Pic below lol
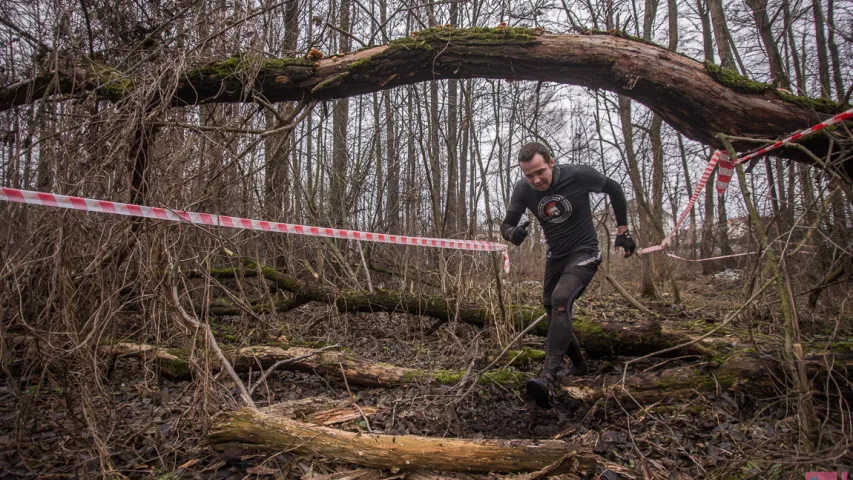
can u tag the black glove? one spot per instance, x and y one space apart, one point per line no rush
627 244
519 233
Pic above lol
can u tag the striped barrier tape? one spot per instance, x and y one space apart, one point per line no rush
725 171
116 208
729 164
699 186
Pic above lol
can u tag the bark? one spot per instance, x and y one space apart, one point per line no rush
392 210
833 50
707 37
794 54
340 117
687 95
762 22
822 57
709 239
262 429
721 34
644 210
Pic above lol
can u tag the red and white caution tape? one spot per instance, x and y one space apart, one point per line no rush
699 186
728 165
820 126
116 208
725 170
698 260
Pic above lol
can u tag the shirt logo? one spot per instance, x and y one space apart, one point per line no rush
555 209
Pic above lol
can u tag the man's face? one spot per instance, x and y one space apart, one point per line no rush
538 172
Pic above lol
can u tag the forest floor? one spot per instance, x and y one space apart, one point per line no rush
157 426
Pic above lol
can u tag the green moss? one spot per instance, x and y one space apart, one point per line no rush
480 35
413 376
696 409
734 80
236 65
525 355
178 367
742 84
503 377
822 105
448 377
113 83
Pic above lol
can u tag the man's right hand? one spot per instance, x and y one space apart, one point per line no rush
519 233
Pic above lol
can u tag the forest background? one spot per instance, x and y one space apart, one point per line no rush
89 109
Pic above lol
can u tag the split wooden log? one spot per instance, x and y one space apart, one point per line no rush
597 338
262 429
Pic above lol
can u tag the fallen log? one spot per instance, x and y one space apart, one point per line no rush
758 377
699 100
263 430
597 338
174 364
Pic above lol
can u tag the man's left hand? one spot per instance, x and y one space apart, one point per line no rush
626 243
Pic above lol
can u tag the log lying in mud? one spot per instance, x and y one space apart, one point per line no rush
597 338
174 364
741 372
264 430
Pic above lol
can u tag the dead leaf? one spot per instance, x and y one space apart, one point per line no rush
189 463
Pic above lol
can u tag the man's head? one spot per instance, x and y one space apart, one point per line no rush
537 164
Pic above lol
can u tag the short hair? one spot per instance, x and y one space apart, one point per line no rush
530 150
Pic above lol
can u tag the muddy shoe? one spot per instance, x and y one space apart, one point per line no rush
539 389
577 370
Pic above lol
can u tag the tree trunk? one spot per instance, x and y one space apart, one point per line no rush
721 34
688 95
794 54
262 429
762 22
833 50
709 239
707 32
337 214
822 58
647 286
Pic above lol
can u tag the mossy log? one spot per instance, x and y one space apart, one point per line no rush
758 377
173 364
699 100
263 430
597 338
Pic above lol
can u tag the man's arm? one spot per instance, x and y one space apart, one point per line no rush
510 221
509 229
620 204
620 209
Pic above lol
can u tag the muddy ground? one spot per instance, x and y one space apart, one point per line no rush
155 427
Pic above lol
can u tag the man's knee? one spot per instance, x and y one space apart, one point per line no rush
561 297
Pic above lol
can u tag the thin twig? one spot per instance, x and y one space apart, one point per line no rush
211 340
352 399
476 378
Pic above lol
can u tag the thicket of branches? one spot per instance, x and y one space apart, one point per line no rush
434 159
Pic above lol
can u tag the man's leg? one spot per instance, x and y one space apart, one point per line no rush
561 333
575 274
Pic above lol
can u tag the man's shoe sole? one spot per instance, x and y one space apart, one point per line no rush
538 391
